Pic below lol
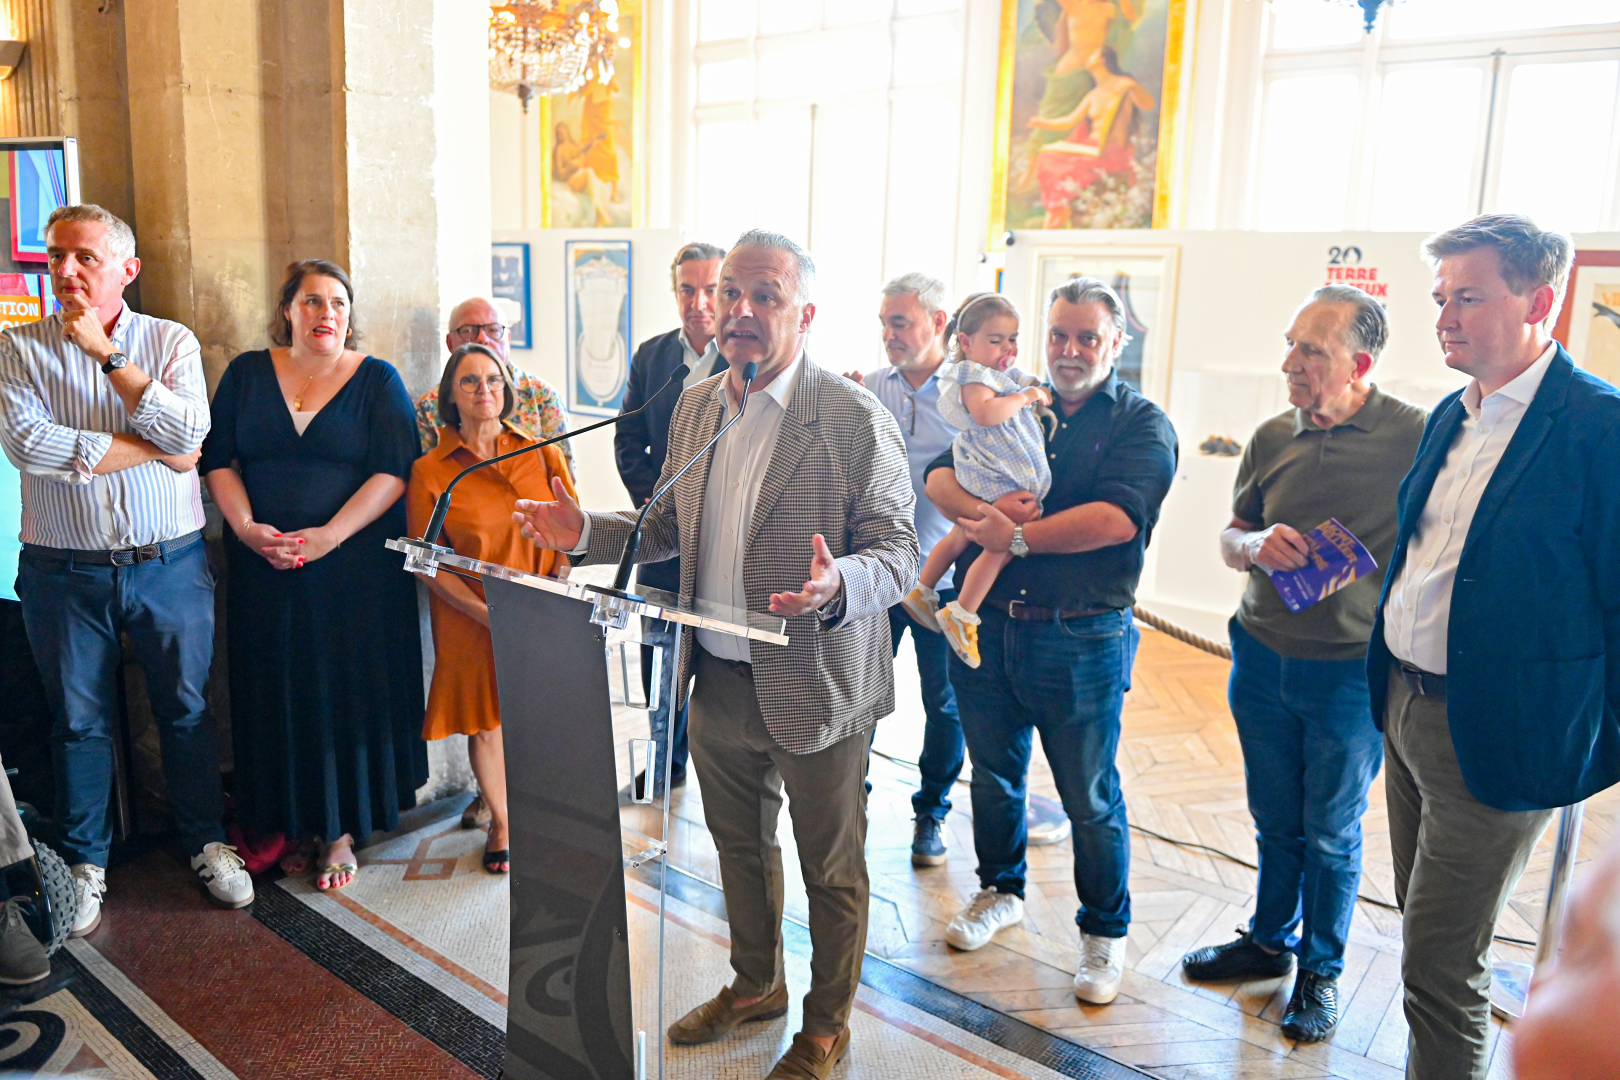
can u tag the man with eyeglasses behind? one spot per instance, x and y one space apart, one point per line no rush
538 414
539 411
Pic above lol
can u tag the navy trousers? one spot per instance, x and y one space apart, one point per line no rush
942 751
75 613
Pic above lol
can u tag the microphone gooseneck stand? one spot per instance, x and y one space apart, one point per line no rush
441 507
621 579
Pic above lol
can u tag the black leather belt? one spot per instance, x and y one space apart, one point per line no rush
1423 683
131 556
1022 612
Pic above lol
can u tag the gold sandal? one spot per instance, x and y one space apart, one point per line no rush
337 868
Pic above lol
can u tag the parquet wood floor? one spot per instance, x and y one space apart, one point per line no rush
1183 777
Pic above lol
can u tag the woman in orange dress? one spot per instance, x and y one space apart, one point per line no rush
462 699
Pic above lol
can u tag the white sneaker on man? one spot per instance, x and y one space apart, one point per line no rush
225 875
977 923
90 881
1102 969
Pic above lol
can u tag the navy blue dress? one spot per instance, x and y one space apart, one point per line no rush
325 660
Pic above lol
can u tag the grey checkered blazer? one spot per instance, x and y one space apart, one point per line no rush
839 469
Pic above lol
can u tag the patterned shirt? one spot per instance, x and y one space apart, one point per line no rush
58 414
539 413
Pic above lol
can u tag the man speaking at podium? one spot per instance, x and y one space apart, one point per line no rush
814 473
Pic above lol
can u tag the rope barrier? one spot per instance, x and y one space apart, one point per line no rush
1214 648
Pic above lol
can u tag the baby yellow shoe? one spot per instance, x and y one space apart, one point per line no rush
922 604
961 628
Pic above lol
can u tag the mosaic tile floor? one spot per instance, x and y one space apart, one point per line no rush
404 973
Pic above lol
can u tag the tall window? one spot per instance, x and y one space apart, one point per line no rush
838 123
1448 108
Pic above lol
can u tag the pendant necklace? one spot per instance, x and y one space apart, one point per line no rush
298 398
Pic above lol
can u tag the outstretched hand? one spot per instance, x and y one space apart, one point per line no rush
824 583
555 525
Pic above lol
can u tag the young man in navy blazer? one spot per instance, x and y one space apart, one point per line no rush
640 443
1495 662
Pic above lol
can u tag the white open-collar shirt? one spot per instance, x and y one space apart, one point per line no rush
736 473
1417 614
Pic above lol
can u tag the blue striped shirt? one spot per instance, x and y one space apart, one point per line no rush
58 414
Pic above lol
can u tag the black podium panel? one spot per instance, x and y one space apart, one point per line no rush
569 1014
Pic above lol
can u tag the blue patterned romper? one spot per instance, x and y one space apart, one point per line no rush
994 461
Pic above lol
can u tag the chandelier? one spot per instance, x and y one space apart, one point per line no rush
540 47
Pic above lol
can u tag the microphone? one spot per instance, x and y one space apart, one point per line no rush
621 578
441 507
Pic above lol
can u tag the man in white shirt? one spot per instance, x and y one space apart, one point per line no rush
104 410
813 474
1495 662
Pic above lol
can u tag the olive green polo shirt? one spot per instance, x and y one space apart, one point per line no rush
1298 474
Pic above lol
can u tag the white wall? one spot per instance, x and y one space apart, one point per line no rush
652 312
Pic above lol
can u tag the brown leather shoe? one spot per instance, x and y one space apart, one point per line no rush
716 1017
806 1061
477 814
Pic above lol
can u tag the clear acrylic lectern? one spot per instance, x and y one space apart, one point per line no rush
569 1012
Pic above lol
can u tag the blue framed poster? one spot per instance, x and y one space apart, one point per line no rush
597 286
510 281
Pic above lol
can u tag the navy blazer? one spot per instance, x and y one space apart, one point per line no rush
641 442
1533 645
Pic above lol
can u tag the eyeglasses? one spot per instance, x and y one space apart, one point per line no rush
494 331
471 383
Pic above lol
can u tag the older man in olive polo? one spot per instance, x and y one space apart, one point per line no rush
1298 687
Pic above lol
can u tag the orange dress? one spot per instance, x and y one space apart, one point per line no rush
463 699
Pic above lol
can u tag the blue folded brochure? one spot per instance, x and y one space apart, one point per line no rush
1337 560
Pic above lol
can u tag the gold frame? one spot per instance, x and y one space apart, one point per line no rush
1169 151
638 133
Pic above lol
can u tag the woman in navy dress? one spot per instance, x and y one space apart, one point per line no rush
311 446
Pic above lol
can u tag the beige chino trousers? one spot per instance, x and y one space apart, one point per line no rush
1456 864
743 772
14 845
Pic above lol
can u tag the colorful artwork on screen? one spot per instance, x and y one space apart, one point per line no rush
35 186
599 333
591 141
1084 111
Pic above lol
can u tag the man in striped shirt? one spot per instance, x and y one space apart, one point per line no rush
104 411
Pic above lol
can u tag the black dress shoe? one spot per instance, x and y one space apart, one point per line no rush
1313 1010
1240 959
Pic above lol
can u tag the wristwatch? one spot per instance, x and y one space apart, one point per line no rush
114 362
1018 546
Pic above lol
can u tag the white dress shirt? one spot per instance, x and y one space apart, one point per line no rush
736 473
58 414
1417 614
698 367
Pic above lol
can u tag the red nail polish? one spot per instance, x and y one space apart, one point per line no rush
300 539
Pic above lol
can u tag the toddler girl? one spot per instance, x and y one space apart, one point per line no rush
1001 449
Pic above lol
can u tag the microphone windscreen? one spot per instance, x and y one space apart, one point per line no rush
750 371
680 373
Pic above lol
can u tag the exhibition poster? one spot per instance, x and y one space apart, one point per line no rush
598 332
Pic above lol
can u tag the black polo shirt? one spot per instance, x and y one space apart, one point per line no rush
1117 448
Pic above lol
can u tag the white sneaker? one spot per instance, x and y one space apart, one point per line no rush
1102 968
225 875
977 923
91 882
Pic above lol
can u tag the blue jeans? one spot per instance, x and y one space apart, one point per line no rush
942 749
75 613
1310 751
1068 680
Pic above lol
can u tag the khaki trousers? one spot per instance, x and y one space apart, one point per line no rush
743 772
1456 863
14 845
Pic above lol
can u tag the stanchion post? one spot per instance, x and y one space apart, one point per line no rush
1510 981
